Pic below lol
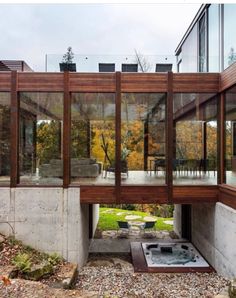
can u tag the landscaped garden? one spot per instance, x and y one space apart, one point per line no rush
108 218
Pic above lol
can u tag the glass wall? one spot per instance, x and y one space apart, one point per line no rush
93 138
230 135
40 141
213 38
189 52
229 34
5 134
202 59
195 138
143 150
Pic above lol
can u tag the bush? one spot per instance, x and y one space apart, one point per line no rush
54 259
22 262
128 207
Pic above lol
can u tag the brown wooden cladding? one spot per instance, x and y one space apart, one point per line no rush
143 82
5 81
195 194
97 194
36 81
92 82
227 195
144 194
105 82
228 77
196 82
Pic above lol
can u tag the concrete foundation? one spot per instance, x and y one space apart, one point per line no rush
48 219
213 234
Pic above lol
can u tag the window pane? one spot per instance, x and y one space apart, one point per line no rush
229 34
230 133
92 138
143 147
41 123
213 35
5 134
202 44
189 52
195 141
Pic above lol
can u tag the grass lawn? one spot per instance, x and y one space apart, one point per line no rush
108 218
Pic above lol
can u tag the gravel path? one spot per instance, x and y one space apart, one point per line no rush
113 278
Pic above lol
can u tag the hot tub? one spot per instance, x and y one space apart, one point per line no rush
172 255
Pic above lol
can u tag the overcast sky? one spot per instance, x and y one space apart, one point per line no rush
29 32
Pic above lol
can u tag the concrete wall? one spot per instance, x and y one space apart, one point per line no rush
214 234
95 216
48 219
177 220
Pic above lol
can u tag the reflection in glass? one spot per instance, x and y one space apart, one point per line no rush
230 136
213 37
190 52
93 138
143 148
5 138
40 146
202 45
195 138
229 34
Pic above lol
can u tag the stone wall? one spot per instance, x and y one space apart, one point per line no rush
48 219
214 234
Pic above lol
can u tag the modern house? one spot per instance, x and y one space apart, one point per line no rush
70 141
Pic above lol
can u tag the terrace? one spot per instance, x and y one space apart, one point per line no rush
121 137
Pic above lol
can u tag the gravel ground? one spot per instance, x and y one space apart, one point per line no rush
113 277
20 288
110 276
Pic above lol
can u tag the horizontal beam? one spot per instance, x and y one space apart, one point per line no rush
106 82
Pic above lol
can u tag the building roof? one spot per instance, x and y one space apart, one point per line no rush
18 65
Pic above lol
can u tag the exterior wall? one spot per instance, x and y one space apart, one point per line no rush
177 220
48 219
214 234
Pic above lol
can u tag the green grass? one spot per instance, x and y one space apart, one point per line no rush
108 219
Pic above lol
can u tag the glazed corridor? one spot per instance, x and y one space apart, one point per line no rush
120 137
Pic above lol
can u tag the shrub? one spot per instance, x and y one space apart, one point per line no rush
22 262
54 259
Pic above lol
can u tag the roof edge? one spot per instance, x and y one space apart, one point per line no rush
197 16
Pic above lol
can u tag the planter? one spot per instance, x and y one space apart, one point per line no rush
68 67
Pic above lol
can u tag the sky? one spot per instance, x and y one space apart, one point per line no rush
30 31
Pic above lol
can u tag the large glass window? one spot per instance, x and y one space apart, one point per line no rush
195 138
213 37
229 34
93 138
5 138
143 150
230 135
40 146
202 45
189 52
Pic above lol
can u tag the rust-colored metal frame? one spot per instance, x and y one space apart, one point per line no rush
119 83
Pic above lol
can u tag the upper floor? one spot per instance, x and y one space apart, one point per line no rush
209 44
120 137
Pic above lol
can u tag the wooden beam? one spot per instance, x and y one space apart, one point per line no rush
118 137
221 175
145 144
14 131
66 131
169 137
